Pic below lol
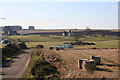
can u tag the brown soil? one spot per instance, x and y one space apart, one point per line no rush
66 62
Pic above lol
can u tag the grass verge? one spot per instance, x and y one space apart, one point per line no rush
39 68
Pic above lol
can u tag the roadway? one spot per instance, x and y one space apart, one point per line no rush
19 65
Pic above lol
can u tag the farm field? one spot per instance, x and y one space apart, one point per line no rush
50 40
46 44
108 67
40 38
105 46
99 44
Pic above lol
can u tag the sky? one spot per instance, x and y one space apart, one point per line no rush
60 15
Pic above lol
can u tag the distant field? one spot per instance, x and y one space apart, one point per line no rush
101 44
47 31
99 38
46 44
50 40
59 30
33 38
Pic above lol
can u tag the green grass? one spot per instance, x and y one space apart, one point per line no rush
99 38
52 40
107 44
34 38
101 44
3 45
46 44
39 68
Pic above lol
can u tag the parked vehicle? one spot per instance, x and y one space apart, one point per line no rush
5 41
61 46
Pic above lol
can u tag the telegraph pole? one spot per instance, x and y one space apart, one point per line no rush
0 51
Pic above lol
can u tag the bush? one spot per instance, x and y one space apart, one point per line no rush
22 45
3 59
94 48
12 46
6 51
51 48
42 68
9 51
39 46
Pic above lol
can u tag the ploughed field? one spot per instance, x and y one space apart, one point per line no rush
69 67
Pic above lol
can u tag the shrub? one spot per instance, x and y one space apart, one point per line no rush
12 46
94 48
51 48
6 51
9 51
3 59
42 68
39 46
22 45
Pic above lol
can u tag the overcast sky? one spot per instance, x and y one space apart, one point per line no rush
61 15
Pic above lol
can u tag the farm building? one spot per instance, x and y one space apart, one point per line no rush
31 28
67 33
64 33
11 30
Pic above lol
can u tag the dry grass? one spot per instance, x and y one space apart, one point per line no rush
108 67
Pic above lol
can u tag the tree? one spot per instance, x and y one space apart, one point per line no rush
6 29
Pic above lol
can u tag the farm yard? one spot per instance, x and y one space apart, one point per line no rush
105 46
